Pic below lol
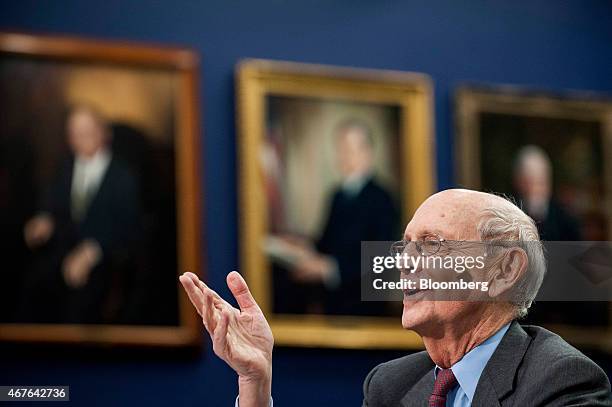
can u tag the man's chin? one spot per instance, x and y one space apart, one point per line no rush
414 314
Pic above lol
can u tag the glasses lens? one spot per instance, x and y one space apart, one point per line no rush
397 247
430 245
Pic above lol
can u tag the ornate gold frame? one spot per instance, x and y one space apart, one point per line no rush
471 101
189 242
412 92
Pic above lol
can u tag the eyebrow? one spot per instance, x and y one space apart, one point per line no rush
427 232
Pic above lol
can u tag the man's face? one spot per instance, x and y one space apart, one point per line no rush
535 186
450 215
85 134
533 181
354 154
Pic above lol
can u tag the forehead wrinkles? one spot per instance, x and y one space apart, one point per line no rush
452 220
458 221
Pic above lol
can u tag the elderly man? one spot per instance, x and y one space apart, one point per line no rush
476 353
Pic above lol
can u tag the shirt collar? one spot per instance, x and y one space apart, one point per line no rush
353 184
99 160
467 371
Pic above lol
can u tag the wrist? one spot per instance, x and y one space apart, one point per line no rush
255 390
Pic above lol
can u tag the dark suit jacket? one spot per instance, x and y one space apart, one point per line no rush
112 220
112 216
558 224
530 367
368 216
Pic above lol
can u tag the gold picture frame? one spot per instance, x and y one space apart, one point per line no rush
472 102
412 94
183 64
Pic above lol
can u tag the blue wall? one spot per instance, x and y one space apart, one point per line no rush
548 44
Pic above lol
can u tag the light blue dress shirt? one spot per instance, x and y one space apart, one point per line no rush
468 370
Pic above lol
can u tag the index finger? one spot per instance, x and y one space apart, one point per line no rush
194 292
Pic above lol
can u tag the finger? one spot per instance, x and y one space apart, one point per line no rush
208 302
220 334
201 285
196 296
210 314
207 289
217 300
240 290
192 277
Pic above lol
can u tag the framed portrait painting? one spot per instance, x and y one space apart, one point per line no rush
329 158
99 173
550 154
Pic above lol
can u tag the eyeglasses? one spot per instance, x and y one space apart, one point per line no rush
428 246
431 244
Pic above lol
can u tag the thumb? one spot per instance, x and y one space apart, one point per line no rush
240 290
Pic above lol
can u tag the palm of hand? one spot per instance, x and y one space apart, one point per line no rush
242 338
248 349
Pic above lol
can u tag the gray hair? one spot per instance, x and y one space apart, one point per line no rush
508 223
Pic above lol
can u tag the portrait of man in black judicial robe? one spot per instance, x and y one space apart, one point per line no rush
318 270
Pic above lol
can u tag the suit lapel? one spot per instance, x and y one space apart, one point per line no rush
485 395
102 188
419 393
497 379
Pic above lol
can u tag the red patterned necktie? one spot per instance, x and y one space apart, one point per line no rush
445 381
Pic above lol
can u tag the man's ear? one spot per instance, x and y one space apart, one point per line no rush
510 270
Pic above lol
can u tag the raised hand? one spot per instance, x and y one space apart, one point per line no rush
242 338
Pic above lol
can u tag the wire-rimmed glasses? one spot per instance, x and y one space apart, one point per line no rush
428 246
